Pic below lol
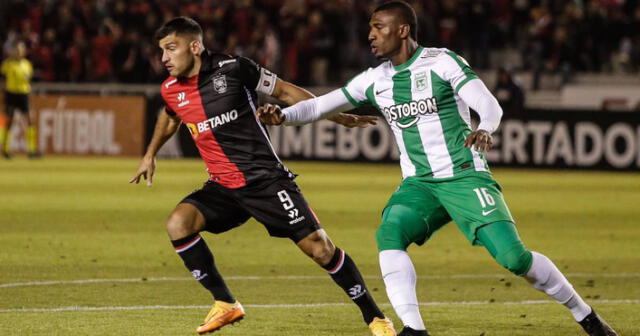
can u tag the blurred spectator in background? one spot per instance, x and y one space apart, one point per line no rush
476 21
101 48
315 42
509 93
127 54
320 41
76 54
43 56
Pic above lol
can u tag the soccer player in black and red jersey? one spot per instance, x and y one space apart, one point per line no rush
215 95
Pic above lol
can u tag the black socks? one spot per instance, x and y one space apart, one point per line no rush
346 274
199 260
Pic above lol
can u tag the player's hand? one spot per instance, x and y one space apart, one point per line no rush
353 120
146 170
480 140
270 114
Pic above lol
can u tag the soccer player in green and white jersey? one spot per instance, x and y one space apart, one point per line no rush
425 95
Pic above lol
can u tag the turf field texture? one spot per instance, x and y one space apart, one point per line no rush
85 253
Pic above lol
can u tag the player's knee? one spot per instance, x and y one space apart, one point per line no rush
320 252
390 238
516 259
322 255
318 247
391 234
179 225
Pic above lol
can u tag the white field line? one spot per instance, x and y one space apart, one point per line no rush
299 277
296 305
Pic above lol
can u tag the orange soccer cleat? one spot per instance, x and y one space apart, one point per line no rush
382 327
220 315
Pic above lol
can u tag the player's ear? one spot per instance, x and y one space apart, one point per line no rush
196 47
404 31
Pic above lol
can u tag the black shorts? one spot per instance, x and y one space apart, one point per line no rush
13 102
276 203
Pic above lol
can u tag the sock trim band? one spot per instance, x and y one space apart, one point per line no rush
188 245
338 265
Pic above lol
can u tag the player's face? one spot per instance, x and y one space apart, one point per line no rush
384 34
177 55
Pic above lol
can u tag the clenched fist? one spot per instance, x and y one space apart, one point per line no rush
270 114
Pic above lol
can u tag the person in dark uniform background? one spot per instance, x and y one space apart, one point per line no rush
215 95
509 93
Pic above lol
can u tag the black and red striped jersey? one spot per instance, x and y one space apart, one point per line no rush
218 106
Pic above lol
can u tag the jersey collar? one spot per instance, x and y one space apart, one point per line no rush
410 61
206 57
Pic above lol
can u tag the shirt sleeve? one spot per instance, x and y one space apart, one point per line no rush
316 108
3 68
454 69
256 77
477 96
356 89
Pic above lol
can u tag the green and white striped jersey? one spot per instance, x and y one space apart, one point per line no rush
420 101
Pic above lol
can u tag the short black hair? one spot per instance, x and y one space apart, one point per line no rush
405 12
180 26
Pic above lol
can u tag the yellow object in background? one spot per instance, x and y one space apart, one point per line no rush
18 74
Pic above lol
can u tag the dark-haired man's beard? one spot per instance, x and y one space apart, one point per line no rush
188 68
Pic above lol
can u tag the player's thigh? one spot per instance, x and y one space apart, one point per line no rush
279 205
473 201
220 210
412 215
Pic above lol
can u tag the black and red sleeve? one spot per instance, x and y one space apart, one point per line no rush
255 77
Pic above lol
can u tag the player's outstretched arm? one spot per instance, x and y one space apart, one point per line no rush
166 126
292 95
477 96
329 106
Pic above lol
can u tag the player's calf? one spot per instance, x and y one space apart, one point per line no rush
199 260
401 225
504 244
343 271
546 277
399 277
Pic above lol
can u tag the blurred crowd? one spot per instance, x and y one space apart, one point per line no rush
320 42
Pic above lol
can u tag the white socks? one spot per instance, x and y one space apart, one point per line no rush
546 277
400 281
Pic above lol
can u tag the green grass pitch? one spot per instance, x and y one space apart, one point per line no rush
85 253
